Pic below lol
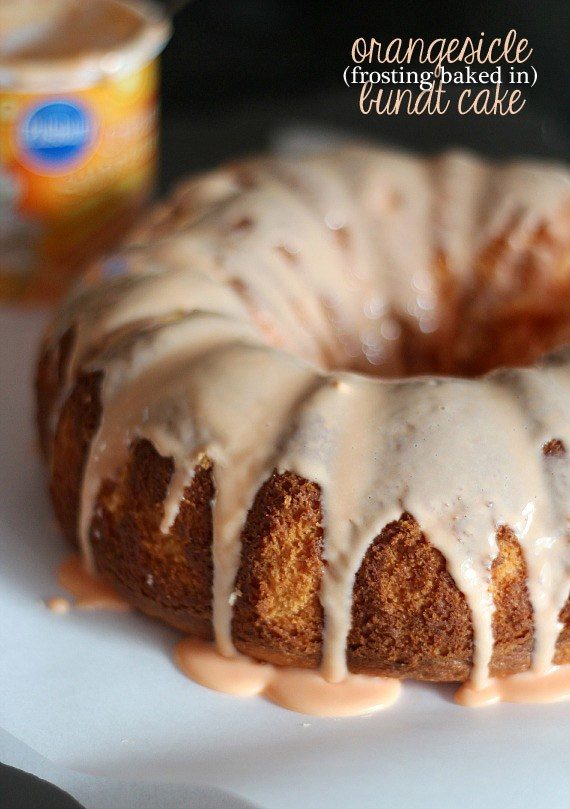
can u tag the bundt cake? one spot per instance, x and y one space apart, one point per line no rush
319 410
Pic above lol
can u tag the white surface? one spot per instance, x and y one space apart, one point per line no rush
106 793
99 693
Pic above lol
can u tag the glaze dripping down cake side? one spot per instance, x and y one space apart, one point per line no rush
317 410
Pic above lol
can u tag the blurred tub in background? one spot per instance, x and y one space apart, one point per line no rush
78 134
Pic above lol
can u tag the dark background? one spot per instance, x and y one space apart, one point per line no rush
238 71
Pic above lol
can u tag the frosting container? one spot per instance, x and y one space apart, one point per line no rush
78 134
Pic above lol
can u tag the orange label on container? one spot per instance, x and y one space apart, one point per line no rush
75 169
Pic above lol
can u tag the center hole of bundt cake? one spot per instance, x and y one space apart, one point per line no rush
467 340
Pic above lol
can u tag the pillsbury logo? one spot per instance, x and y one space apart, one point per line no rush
56 133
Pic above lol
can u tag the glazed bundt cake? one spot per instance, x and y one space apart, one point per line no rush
319 410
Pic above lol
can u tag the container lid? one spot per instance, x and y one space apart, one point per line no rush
55 45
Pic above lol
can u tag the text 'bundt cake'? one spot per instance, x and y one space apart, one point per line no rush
310 411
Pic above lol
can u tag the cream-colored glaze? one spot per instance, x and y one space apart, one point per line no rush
238 675
306 691
90 592
224 340
550 686
300 690
71 43
58 605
